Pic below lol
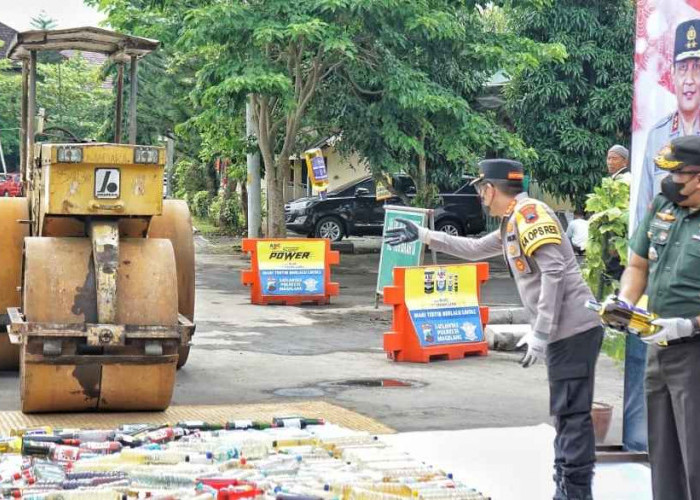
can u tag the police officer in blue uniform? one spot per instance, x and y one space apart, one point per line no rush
563 332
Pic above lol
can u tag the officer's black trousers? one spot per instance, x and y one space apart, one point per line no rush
571 369
673 417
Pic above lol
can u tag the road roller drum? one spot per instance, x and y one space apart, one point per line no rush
62 367
14 215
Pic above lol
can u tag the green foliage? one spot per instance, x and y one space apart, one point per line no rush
190 177
200 204
607 230
572 111
73 96
43 21
10 93
70 92
226 213
408 100
614 344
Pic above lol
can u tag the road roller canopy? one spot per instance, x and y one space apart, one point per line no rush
116 46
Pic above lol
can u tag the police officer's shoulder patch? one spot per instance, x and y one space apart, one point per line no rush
536 227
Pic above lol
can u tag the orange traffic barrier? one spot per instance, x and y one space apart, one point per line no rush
437 313
290 271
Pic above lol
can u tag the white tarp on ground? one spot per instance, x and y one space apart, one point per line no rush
514 463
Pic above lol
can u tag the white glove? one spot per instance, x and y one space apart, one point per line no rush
671 329
536 349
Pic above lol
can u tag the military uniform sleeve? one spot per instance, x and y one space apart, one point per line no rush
639 243
467 248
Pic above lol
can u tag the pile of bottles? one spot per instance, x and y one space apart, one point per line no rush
289 458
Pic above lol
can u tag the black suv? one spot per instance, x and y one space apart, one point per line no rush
353 209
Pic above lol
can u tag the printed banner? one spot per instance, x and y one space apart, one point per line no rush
292 267
404 255
443 304
666 90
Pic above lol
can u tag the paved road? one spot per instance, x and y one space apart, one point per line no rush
247 354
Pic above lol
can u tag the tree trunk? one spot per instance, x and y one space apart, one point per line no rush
275 202
422 180
244 203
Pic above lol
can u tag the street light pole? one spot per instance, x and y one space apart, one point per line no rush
253 177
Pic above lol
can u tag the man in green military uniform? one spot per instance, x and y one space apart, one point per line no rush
565 334
665 262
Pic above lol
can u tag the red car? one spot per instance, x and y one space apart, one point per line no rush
10 185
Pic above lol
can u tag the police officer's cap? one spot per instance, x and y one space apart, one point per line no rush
500 169
682 155
687 44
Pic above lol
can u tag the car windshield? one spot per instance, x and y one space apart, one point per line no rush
349 186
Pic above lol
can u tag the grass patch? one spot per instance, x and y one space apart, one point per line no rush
206 228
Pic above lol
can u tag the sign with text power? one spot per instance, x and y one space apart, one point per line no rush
291 268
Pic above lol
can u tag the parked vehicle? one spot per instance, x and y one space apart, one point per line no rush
10 185
353 210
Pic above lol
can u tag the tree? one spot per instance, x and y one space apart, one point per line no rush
398 78
278 53
408 102
10 93
71 94
571 112
43 21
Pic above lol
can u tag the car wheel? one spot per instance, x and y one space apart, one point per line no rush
450 227
330 228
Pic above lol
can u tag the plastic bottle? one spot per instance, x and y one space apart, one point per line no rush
200 458
29 431
95 435
63 453
101 448
160 436
161 480
225 453
11 445
47 471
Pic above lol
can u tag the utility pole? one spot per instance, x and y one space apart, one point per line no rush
253 177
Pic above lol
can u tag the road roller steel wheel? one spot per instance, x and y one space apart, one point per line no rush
12 234
59 287
176 225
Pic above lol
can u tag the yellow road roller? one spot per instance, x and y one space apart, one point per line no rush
97 278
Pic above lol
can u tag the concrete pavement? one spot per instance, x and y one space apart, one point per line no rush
254 353
247 354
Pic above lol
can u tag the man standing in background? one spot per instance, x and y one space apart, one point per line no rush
618 161
577 232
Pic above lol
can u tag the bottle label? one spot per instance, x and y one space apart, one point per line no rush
193 424
242 424
160 435
66 453
292 422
